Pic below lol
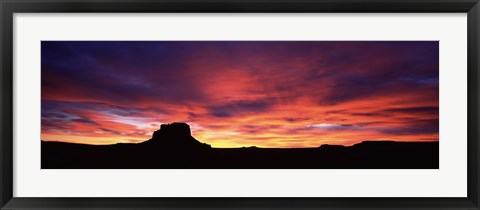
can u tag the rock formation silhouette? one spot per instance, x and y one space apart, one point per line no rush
175 136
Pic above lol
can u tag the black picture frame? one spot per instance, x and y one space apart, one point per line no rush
9 7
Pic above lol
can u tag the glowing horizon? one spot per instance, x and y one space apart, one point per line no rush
241 93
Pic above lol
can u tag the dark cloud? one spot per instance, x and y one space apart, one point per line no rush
127 72
415 110
55 124
431 111
111 131
84 120
410 130
122 72
253 129
381 69
53 115
368 114
238 108
295 119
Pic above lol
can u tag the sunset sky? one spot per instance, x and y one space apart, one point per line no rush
241 93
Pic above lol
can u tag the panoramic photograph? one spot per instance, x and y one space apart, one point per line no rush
239 105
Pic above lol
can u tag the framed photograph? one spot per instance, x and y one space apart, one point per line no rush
239 104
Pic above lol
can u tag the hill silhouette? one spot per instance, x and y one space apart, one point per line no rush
175 136
173 147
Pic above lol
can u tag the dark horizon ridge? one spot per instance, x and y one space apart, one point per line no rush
187 133
173 147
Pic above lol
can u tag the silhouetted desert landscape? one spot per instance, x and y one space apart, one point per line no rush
173 147
249 104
